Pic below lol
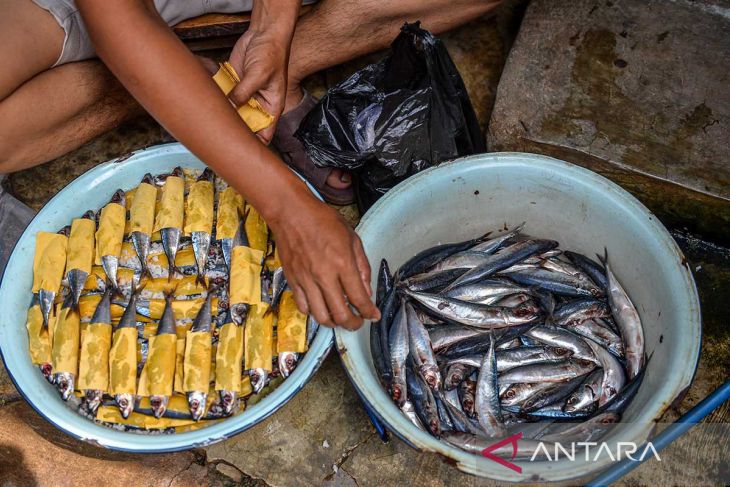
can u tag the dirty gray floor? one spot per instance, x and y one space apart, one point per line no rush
322 436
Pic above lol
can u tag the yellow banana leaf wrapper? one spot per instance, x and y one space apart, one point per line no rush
246 389
66 342
189 286
49 261
123 362
256 230
182 309
179 361
213 353
245 281
252 113
158 375
185 257
142 210
87 306
110 233
97 277
228 358
230 203
196 365
111 414
80 252
272 261
39 338
259 338
128 201
291 327
199 208
94 358
172 204
160 286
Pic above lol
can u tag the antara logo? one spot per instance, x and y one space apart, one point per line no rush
498 451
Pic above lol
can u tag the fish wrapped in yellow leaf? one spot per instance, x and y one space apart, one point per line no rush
142 219
65 350
49 262
228 365
199 218
39 339
110 234
196 364
94 355
259 345
252 113
170 216
123 359
291 333
80 254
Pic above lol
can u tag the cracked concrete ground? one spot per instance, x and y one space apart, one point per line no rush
322 436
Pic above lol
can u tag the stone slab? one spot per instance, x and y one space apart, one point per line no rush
636 90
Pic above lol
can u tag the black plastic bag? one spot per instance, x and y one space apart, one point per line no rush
394 118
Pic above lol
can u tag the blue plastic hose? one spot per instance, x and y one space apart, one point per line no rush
666 437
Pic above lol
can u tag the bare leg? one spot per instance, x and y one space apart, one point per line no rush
44 112
336 31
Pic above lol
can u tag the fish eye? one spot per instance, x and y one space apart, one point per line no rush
510 393
572 400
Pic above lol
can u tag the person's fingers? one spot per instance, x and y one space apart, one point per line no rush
250 83
300 298
334 295
356 292
363 266
267 134
316 302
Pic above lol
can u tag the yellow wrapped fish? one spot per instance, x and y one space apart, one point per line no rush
199 208
230 205
291 326
110 234
259 343
142 219
158 375
94 355
245 280
39 339
49 263
228 358
65 351
110 414
256 230
172 204
252 113
80 254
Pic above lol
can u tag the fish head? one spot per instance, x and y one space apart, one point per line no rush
582 399
47 371
92 399
119 198
159 405
125 403
65 231
258 379
89 215
454 377
65 384
431 375
398 391
287 363
148 179
228 401
196 403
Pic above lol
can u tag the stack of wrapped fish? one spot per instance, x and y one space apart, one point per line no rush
167 307
484 339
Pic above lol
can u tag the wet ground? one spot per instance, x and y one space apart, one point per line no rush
322 437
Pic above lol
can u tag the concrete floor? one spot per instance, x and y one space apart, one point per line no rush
321 437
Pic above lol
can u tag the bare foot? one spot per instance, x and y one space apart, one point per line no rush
339 179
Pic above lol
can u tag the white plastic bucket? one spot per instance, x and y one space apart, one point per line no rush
92 190
585 213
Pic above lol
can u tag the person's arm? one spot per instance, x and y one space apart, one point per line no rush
261 57
323 259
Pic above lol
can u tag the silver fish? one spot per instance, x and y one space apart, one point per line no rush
446 335
515 394
487 405
487 291
197 400
463 260
125 401
420 349
562 338
614 378
170 242
493 244
590 430
287 362
65 384
585 397
102 315
141 240
259 377
509 359
398 342
476 315
201 246
76 282
455 373
513 343
625 314
525 448
592 330
467 391
166 326
550 372
110 263
410 411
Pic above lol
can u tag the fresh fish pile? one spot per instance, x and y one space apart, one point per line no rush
166 308
482 339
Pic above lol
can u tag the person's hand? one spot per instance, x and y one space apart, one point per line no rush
325 265
260 59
